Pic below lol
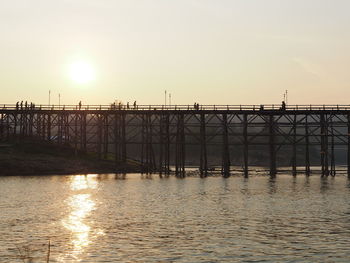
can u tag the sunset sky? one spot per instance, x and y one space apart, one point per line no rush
206 51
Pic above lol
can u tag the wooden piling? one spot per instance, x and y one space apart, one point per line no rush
76 133
183 145
99 135
15 123
84 132
294 158
225 148
49 126
150 144
203 148
180 147
116 139
272 151
307 150
8 131
167 144
161 144
177 146
124 142
333 170
323 153
326 142
105 135
348 135
2 126
245 145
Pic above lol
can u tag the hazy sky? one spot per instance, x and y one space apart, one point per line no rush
208 51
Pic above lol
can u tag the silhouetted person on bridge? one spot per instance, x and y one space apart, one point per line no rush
22 105
283 106
135 104
17 105
261 107
79 105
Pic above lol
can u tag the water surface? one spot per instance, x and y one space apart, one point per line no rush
110 218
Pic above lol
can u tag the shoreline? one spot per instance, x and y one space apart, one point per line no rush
31 157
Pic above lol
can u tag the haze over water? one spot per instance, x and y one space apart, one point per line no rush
109 218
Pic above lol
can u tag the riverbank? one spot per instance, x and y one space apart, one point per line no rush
41 158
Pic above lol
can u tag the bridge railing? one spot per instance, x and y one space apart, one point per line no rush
176 107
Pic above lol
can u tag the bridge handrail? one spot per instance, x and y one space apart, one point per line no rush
179 107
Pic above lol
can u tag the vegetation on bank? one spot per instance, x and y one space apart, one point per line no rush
34 157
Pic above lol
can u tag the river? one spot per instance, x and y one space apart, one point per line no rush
135 218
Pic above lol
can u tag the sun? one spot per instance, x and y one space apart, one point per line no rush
82 72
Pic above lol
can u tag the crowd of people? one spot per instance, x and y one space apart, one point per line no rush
25 105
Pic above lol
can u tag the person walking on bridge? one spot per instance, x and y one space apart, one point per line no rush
283 106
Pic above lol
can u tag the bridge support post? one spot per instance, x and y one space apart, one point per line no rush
76 133
83 131
2 126
38 124
348 117
48 126
99 135
245 145
177 145
272 146
161 144
59 127
326 142
44 126
167 145
333 171
116 140
180 147
225 148
124 149
183 145
147 142
21 124
307 151
31 123
203 147
323 170
150 143
324 145
105 135
67 120
294 158
143 131
15 123
7 126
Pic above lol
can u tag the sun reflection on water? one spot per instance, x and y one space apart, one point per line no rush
80 204
81 182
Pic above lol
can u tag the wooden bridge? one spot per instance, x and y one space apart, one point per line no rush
160 137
